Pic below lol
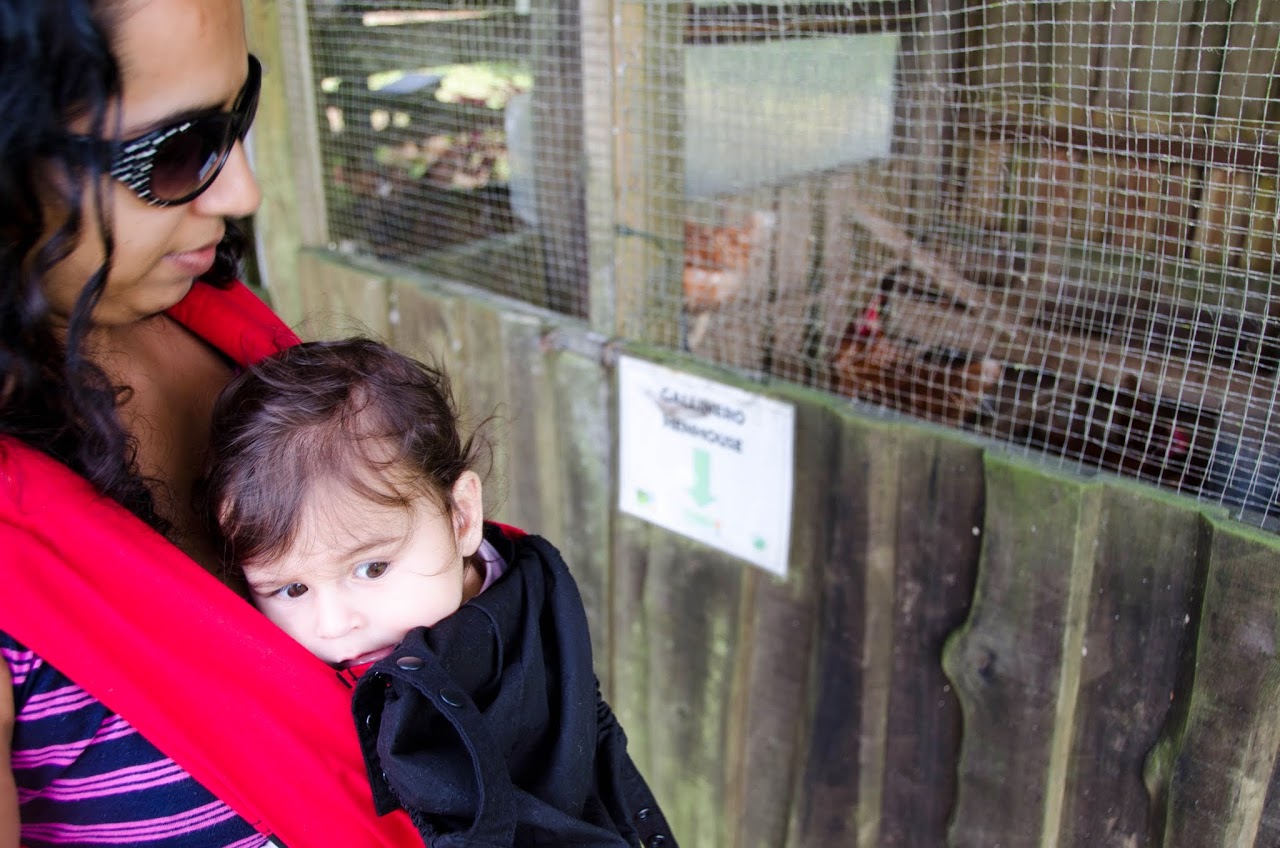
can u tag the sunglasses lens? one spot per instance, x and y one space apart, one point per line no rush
186 162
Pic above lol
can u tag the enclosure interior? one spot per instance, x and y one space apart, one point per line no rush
1052 224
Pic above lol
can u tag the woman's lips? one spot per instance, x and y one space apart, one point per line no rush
194 263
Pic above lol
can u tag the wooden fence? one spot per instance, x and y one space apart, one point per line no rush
969 649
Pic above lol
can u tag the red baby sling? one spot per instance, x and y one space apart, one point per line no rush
248 712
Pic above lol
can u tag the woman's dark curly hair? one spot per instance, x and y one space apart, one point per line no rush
56 64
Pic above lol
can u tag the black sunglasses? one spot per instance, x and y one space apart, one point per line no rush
176 164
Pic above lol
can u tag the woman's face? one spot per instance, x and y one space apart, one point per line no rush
175 56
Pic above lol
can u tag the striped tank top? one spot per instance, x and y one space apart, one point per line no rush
85 777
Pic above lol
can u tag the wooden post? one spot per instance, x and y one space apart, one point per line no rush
285 150
649 182
598 64
925 133
557 127
275 223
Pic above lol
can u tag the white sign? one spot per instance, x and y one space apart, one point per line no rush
706 460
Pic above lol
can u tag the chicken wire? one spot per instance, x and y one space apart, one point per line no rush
1052 224
430 134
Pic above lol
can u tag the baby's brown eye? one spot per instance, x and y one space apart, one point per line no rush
372 570
295 590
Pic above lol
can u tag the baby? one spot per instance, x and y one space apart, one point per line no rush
340 485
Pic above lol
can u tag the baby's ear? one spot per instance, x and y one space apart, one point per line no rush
468 513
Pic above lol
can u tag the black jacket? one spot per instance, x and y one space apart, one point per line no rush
489 727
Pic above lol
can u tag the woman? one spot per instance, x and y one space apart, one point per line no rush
121 168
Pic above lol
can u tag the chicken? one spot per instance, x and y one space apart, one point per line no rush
717 258
1120 429
937 384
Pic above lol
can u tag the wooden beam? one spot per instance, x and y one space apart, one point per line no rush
598 66
649 180
744 22
277 227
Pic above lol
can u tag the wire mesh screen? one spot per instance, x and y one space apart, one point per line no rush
430 136
1050 223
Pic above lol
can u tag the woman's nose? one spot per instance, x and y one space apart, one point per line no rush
235 192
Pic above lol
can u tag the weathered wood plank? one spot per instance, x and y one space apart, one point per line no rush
1142 56
1269 827
781 629
931 63
676 608
533 498
558 128
649 175
1201 66
598 150
831 809
300 92
426 323
555 414
582 404
341 300
479 365
464 337
1016 661
1145 590
1074 35
1221 756
998 35
276 225
940 505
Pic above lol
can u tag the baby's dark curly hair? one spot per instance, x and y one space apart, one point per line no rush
355 413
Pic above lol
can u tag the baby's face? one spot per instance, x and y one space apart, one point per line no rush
361 575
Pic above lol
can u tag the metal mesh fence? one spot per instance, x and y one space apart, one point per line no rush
430 137
1050 223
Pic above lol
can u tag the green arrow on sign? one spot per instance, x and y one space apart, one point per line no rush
701 490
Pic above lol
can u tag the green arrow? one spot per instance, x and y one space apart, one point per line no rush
701 490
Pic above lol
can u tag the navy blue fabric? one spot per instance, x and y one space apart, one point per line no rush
489 727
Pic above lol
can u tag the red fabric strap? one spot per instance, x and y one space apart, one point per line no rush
234 321
244 709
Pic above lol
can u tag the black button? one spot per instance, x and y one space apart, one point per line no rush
453 697
411 663
643 814
657 840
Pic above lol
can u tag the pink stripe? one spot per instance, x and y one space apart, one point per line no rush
255 841
21 664
59 702
132 779
131 833
112 727
13 655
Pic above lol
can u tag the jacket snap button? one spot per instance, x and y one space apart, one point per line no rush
658 840
643 813
411 663
452 697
